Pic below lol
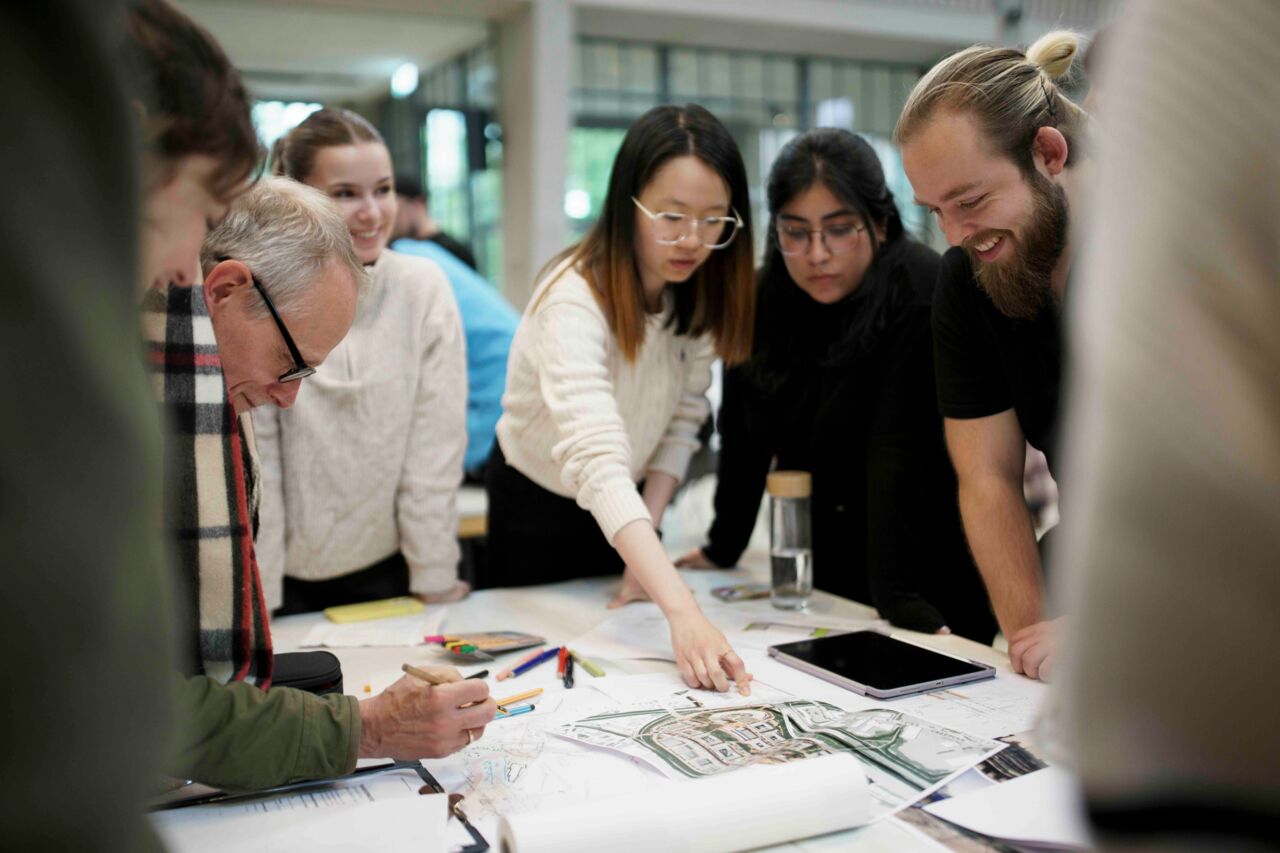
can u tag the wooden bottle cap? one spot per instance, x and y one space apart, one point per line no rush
790 484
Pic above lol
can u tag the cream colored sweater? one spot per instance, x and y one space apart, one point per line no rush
368 460
581 421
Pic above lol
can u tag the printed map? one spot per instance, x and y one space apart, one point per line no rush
903 756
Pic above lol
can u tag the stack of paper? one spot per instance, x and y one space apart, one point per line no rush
1040 809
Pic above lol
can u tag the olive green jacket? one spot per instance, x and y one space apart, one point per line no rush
239 737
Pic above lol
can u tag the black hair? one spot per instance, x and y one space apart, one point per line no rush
720 298
410 187
849 167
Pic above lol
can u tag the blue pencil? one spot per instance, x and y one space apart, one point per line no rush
522 709
528 665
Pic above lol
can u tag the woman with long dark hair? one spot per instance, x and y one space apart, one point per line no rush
840 383
608 373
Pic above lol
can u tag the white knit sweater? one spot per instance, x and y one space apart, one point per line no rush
581 421
368 460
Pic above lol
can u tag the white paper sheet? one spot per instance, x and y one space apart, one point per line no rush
640 631
661 686
1042 808
634 632
380 813
1005 705
750 808
396 631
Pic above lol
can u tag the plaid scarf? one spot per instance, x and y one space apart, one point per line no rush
211 489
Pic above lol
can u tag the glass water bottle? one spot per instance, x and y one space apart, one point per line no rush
790 542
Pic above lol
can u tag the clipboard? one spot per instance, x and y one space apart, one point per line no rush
478 845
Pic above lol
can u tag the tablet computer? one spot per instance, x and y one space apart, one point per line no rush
877 665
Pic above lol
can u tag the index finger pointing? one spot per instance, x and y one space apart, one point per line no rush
737 671
716 672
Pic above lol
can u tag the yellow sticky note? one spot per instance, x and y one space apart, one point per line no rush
365 610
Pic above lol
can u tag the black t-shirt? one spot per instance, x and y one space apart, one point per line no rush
986 363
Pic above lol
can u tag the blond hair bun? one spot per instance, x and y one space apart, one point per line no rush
1054 52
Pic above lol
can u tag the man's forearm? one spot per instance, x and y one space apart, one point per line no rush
998 526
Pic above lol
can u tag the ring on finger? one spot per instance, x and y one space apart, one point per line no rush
471 737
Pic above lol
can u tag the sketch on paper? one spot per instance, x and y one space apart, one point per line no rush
1005 705
903 756
519 767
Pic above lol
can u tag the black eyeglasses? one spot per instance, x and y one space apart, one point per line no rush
300 369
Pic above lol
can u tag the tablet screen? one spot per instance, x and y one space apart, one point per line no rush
875 660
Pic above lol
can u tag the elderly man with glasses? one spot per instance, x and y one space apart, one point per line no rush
281 284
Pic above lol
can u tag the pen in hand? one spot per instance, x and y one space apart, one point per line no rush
436 680
432 678
422 674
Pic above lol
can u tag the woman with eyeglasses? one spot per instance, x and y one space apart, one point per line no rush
608 373
840 383
360 477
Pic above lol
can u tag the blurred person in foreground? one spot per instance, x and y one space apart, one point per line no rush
87 622
1170 549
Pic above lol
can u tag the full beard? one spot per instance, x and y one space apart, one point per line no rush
1021 286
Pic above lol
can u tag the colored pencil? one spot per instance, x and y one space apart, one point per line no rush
422 674
512 708
521 669
506 673
520 697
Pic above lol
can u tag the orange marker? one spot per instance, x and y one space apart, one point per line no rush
564 656
506 673
520 697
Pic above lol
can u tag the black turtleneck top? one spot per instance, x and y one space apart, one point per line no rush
851 399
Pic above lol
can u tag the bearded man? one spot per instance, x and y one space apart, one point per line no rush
993 148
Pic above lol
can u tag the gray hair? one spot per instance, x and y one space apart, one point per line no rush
288 234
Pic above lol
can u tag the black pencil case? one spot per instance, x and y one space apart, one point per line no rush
315 672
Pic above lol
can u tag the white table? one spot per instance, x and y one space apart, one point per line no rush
562 612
